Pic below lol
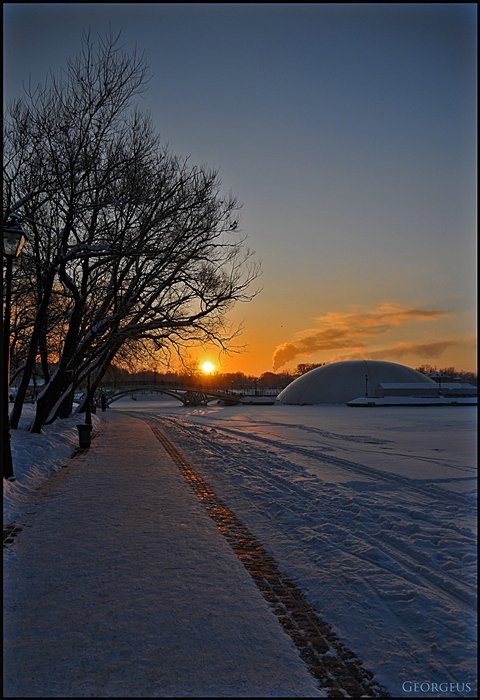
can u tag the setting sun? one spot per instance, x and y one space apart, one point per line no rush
207 367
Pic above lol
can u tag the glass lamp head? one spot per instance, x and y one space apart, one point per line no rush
13 238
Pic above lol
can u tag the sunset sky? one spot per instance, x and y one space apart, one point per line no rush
348 131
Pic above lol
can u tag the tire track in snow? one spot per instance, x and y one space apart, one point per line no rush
359 439
10 532
331 663
376 474
415 567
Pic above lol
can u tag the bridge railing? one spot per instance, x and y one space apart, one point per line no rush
195 387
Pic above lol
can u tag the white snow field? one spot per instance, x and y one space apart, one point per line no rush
371 512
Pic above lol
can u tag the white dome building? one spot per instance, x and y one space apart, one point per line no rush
341 382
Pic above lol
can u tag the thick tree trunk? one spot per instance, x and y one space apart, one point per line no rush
51 398
65 410
43 350
32 351
109 355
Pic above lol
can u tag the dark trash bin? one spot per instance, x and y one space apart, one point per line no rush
84 434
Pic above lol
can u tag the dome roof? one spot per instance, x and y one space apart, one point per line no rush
340 382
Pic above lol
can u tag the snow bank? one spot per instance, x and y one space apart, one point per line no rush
36 457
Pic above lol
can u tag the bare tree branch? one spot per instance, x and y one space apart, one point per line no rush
130 248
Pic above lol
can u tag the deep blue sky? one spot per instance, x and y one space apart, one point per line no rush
348 132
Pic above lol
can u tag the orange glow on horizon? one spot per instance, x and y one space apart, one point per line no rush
207 367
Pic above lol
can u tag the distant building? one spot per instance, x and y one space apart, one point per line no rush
416 389
341 382
406 389
439 377
457 389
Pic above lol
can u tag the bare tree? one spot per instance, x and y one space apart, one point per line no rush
128 244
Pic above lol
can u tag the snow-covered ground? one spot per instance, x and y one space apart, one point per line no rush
36 457
371 512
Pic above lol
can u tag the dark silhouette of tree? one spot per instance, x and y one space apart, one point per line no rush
306 367
452 374
129 246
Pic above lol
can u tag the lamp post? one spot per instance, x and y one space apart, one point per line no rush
13 240
88 412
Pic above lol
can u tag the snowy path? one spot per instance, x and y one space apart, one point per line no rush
120 585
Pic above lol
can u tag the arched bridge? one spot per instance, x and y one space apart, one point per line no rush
189 396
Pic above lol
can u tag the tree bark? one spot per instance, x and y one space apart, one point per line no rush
32 351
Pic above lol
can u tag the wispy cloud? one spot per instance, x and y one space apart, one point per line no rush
350 331
427 350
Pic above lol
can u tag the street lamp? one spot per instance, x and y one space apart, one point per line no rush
13 240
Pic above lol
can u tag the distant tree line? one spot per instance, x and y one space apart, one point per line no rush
306 367
131 250
451 374
219 380
237 381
